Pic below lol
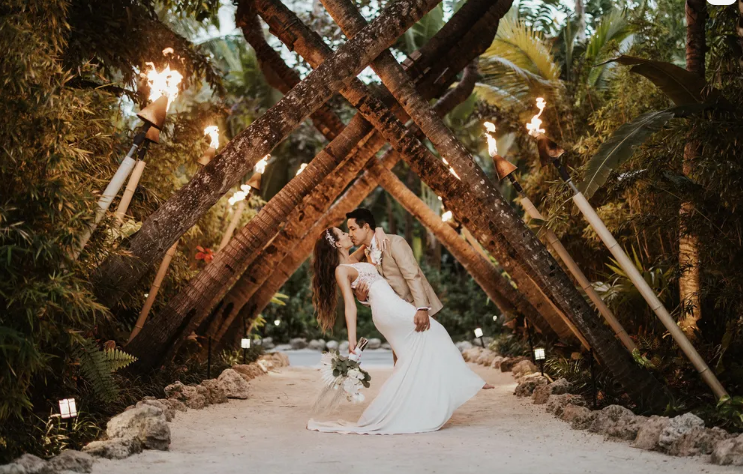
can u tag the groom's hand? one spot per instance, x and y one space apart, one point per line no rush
421 320
362 291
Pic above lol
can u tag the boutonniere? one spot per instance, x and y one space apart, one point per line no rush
376 256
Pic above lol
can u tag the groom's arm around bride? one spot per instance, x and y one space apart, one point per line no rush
400 268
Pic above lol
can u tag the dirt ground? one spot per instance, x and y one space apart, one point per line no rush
494 432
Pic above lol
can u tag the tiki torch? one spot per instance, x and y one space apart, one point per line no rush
163 89
239 198
505 169
550 153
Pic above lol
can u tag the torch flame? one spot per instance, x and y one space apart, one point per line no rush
536 122
163 83
260 167
213 132
239 195
301 168
447 216
492 145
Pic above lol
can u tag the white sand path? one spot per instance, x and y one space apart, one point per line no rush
495 432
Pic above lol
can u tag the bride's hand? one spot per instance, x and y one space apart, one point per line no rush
351 346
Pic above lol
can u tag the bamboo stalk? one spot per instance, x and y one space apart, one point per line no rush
580 277
655 304
131 186
153 291
233 224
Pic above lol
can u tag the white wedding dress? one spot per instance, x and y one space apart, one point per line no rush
430 379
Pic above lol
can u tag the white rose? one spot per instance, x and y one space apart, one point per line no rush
376 256
358 397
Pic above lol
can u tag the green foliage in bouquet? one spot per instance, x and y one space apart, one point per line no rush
341 367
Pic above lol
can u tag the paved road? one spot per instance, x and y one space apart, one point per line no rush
310 358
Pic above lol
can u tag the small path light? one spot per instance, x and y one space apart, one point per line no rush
67 408
539 356
478 333
245 344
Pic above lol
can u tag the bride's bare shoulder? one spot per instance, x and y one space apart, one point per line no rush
344 272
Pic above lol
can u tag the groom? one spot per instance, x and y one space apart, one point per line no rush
397 264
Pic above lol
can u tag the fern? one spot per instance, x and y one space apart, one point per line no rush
98 365
118 359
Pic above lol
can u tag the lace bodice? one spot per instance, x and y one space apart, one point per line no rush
367 273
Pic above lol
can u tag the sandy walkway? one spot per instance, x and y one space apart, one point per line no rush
494 432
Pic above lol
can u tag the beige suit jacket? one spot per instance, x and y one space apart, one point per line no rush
400 268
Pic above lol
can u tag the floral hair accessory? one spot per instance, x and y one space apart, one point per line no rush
329 237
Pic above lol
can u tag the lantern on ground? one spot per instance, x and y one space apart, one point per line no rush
478 333
245 344
67 408
539 356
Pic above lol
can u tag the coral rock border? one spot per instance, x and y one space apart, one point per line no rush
145 425
683 435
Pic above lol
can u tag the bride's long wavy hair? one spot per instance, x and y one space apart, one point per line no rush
324 262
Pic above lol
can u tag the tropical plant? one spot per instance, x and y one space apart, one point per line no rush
97 366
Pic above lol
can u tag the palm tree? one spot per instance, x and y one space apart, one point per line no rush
689 284
313 207
480 206
187 310
182 211
495 285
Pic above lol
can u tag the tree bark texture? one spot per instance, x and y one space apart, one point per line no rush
310 46
170 325
689 264
481 207
303 215
495 285
313 207
166 225
350 199
278 74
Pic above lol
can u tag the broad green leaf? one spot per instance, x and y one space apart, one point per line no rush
621 145
680 85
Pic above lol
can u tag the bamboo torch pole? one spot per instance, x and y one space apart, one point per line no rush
254 183
505 169
213 132
163 89
154 289
550 153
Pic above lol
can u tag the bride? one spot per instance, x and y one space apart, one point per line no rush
430 379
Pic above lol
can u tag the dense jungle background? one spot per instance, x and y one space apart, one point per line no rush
71 87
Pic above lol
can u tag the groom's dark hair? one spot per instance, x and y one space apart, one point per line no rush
362 216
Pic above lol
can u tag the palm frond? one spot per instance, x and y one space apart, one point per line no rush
517 64
613 28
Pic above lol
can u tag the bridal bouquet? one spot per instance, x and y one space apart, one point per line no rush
343 377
